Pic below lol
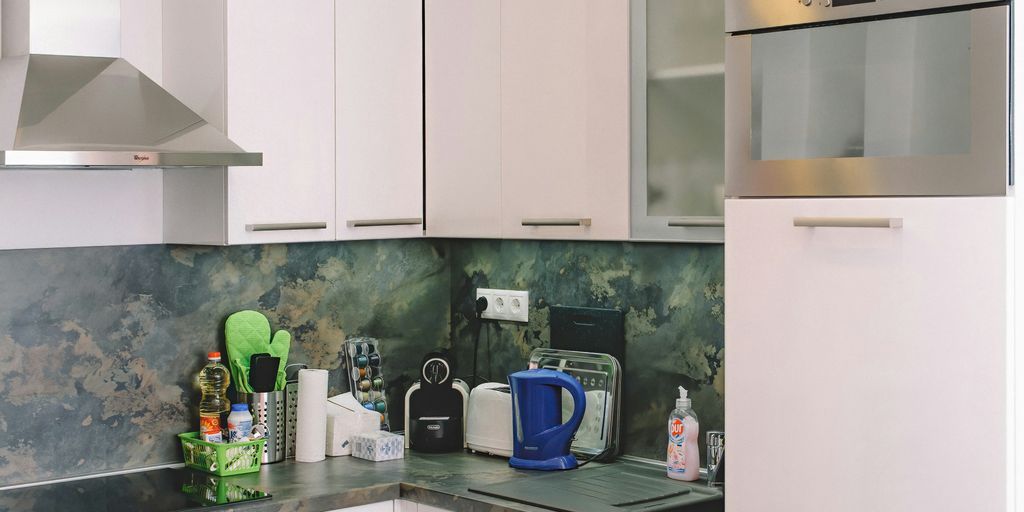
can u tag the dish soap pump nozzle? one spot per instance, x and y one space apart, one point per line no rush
682 402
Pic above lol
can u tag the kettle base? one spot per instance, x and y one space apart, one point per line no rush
552 464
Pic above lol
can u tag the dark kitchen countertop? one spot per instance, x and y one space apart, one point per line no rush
441 480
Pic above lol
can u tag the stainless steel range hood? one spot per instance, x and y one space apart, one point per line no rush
67 99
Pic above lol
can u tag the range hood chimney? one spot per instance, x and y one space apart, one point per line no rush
68 99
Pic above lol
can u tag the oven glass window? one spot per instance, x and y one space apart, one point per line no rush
887 88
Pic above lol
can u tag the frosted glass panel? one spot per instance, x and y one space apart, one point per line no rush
886 88
685 107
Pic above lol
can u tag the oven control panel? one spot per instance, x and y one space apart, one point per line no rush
751 15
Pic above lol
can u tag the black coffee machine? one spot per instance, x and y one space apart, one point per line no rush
435 408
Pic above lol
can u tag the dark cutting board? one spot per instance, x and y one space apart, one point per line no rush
589 330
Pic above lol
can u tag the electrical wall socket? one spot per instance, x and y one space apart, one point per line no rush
510 305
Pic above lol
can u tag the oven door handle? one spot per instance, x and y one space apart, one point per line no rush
848 222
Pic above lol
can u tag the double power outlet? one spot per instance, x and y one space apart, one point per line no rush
509 305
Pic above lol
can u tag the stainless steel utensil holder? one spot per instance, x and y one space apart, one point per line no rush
291 416
269 409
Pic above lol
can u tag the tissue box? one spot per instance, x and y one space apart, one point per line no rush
378 446
345 418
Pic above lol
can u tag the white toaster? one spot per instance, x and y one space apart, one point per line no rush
489 422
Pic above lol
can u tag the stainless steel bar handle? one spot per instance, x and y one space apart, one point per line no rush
371 223
294 226
697 223
848 222
558 222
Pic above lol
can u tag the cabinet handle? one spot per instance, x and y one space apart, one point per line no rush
558 222
848 222
697 223
295 226
372 223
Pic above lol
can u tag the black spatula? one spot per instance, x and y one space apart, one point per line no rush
263 372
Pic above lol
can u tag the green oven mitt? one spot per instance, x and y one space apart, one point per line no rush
248 333
279 347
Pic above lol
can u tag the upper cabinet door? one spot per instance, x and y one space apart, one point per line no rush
678 130
379 118
280 100
565 119
463 118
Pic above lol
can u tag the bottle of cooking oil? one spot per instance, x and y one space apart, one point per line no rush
213 381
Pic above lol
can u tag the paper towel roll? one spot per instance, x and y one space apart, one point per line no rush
311 428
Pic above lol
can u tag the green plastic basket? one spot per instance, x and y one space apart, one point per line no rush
207 490
221 459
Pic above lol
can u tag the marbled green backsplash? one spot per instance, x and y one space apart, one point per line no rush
99 347
672 297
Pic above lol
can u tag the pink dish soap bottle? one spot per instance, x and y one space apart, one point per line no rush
683 460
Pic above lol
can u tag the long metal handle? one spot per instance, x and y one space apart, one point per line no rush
372 223
848 222
558 222
697 223
294 226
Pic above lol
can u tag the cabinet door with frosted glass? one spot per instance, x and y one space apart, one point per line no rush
678 110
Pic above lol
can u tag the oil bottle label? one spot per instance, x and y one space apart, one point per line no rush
209 428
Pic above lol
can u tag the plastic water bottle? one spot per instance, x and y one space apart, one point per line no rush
213 381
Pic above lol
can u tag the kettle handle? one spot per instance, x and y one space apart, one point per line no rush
579 398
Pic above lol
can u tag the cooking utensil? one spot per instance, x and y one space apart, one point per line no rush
589 330
248 333
280 345
291 389
263 372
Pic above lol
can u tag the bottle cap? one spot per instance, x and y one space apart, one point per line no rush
213 356
683 402
240 407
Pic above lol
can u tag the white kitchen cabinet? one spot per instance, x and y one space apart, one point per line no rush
565 119
392 506
264 71
406 506
412 506
463 118
280 100
429 508
79 208
331 93
527 116
384 506
870 368
379 91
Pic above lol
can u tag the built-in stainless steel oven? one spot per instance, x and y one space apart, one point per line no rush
867 98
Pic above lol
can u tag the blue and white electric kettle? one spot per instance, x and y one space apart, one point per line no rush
540 439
